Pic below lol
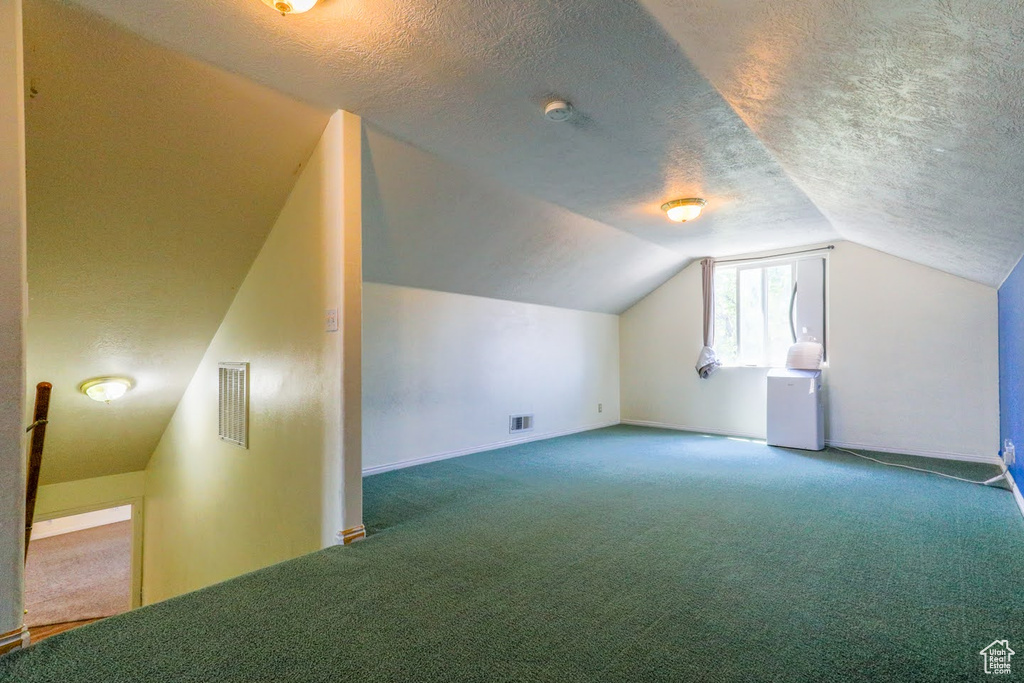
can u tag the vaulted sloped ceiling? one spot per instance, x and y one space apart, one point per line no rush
892 124
466 80
902 121
430 224
153 181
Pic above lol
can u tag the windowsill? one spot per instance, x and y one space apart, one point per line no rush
824 366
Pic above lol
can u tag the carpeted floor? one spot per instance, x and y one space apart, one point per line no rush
81 575
40 633
623 554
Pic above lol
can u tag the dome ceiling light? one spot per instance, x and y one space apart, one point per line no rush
682 210
106 389
290 6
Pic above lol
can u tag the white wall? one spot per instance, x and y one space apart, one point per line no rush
443 372
12 324
213 510
913 361
85 520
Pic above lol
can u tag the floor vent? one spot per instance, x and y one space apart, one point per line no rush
520 423
233 403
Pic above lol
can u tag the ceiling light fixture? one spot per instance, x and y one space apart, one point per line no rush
106 389
682 210
290 6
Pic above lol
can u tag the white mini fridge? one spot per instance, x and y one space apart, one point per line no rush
796 416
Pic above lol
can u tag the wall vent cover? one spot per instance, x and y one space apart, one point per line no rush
520 423
233 403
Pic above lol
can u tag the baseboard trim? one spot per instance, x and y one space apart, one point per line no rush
985 459
14 640
695 430
1016 493
356 533
378 469
940 455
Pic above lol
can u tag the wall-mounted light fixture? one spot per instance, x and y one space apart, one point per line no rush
290 6
682 210
106 389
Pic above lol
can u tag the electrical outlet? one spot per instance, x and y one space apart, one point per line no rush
600 407
1009 453
331 320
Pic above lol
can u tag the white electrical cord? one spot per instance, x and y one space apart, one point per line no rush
988 482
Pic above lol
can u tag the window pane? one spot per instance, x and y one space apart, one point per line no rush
751 316
780 289
725 315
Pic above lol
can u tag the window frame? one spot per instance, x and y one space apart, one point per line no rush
763 264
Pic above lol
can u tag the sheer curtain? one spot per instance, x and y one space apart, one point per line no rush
707 361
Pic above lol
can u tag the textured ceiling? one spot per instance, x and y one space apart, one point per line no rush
902 121
899 121
144 215
466 80
428 223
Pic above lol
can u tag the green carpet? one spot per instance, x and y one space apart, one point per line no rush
622 554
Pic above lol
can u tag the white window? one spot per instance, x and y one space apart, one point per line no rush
763 306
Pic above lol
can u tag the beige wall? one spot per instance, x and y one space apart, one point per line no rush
214 510
445 371
72 497
12 320
913 361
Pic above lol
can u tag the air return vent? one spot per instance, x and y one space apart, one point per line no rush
520 423
233 392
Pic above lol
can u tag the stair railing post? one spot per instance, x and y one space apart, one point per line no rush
35 457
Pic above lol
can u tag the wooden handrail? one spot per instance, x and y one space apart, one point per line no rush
35 458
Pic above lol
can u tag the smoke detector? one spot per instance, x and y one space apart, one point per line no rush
557 110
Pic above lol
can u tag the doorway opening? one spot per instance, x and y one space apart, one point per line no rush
80 568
